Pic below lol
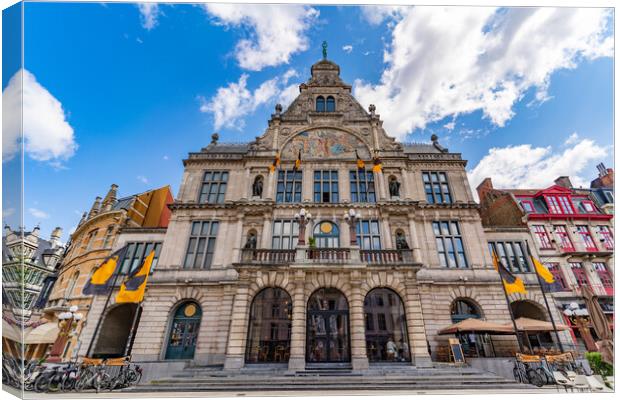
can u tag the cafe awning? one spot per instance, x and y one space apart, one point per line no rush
44 333
536 325
474 325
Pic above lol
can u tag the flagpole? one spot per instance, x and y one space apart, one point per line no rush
542 289
512 317
132 331
119 266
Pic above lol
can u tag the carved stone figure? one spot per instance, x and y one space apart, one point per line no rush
257 187
401 241
250 242
394 187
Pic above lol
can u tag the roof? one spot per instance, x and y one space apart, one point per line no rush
413 148
43 247
227 148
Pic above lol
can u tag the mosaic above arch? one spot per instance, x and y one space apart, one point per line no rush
325 143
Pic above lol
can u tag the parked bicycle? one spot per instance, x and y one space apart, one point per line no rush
129 374
524 373
92 376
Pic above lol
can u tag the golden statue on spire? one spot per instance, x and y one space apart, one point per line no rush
324 50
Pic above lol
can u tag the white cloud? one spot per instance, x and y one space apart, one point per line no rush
455 60
573 138
375 15
142 179
232 103
166 158
35 212
347 48
524 166
149 14
275 31
47 135
7 212
450 125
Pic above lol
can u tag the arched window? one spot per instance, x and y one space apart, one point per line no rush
71 285
463 309
184 331
331 104
327 332
269 328
326 234
386 326
529 309
107 241
320 104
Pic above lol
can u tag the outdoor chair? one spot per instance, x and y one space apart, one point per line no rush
581 383
594 383
571 375
560 379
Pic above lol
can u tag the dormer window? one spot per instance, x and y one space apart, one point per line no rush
331 104
588 206
320 104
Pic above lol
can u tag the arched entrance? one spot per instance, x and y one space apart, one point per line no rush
473 345
269 328
115 331
184 331
529 309
386 327
327 332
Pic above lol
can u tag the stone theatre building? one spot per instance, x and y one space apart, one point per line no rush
330 263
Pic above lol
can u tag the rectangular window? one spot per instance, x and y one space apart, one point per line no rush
368 236
362 186
381 322
562 234
285 234
541 236
511 254
289 187
436 187
588 206
136 253
586 238
326 187
554 206
201 244
579 273
527 205
555 270
603 274
606 237
565 204
91 240
449 244
559 205
213 187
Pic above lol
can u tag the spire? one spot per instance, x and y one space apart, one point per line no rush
110 198
95 208
55 236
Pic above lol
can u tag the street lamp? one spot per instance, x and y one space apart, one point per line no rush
302 218
352 217
67 324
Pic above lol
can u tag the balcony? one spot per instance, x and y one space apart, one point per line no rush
341 255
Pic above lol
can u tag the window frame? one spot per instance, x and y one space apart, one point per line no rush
356 184
530 204
292 236
607 237
434 189
206 187
133 260
578 266
586 237
327 104
443 252
331 182
541 234
371 236
566 244
193 244
320 100
295 179
558 275
602 271
517 263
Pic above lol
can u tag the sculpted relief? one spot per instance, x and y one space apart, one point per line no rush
325 143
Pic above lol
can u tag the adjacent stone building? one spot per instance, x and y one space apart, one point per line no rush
90 244
573 238
322 242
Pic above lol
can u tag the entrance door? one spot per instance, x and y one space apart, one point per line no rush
184 332
327 327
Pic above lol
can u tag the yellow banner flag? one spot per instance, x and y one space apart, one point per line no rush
542 271
132 290
512 284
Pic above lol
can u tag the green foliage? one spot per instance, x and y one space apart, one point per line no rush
598 366
312 242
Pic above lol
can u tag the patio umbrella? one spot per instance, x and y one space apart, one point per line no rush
474 325
599 322
536 325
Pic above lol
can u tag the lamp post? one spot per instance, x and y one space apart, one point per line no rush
67 324
352 217
302 218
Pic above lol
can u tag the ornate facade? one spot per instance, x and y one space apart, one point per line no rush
359 255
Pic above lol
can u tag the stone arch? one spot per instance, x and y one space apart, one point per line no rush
534 297
469 301
382 279
297 132
328 279
115 330
465 292
529 309
186 293
265 279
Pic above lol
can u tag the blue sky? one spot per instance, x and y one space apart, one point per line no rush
123 93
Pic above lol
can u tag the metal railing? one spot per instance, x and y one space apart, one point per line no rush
268 256
386 256
336 255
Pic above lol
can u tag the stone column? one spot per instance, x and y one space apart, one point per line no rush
307 183
269 190
344 189
237 239
359 358
380 190
387 233
415 242
237 334
415 323
265 242
297 360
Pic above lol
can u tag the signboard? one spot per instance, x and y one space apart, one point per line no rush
456 351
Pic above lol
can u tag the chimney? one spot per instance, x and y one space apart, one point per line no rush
602 171
55 236
564 181
485 187
110 198
95 208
